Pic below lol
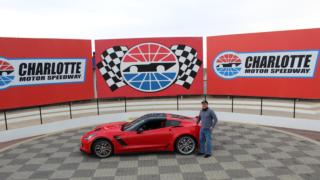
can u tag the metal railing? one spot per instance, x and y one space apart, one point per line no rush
294 108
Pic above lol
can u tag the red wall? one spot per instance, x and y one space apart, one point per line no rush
281 87
126 91
308 88
22 96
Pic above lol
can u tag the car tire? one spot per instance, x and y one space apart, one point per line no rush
185 145
102 148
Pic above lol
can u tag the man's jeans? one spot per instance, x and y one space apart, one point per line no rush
205 139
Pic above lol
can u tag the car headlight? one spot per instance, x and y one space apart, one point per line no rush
90 136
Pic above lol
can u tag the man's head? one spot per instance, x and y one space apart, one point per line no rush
204 104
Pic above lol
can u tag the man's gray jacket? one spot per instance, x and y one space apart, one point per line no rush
208 118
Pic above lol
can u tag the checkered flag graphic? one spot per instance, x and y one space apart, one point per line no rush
189 64
109 67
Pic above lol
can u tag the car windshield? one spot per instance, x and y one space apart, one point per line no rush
134 123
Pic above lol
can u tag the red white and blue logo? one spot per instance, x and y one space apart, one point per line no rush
228 65
149 67
6 73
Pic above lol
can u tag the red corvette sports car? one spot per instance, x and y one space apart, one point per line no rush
151 132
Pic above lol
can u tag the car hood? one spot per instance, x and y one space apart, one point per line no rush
111 126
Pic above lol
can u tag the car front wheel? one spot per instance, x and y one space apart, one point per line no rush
102 148
185 145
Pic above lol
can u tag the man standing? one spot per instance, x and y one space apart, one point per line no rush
208 120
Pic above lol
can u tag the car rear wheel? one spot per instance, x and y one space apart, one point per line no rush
102 148
185 145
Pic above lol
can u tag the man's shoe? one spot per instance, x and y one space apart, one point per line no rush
200 154
207 155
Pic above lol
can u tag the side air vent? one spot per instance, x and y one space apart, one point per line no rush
119 140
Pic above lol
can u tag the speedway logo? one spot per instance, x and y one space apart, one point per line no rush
149 67
277 64
26 72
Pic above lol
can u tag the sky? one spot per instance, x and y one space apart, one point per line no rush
105 19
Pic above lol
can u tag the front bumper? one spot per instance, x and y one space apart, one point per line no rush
85 145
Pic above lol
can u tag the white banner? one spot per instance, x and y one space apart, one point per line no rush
277 64
26 72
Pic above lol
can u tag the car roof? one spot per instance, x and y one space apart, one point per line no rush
168 116
177 116
155 115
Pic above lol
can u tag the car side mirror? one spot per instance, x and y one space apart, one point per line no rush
140 130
